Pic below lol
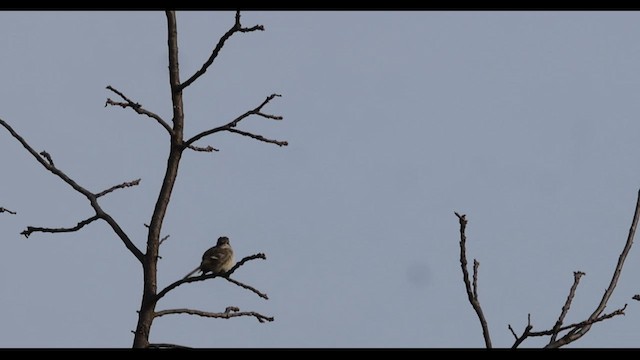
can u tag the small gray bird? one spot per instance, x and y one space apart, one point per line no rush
217 260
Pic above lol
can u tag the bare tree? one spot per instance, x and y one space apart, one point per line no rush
177 145
571 332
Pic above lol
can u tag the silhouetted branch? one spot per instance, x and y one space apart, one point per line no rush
93 200
525 333
80 225
177 283
163 239
166 346
232 124
579 325
472 294
137 108
7 210
250 288
636 297
230 312
565 308
120 186
579 332
237 27
202 149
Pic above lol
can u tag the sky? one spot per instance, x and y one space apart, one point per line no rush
527 122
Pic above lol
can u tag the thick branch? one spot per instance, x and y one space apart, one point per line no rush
137 108
232 124
230 312
471 293
202 149
45 160
120 186
80 225
567 304
214 54
7 210
177 283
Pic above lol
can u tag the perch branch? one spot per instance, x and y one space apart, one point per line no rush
471 293
567 304
137 108
202 149
177 283
80 225
93 200
230 312
232 124
237 27
120 186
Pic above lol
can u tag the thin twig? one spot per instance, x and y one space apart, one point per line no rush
80 225
230 312
7 210
567 304
525 333
166 346
250 288
230 126
580 325
237 27
471 294
177 283
120 186
137 108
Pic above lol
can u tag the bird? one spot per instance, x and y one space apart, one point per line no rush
217 260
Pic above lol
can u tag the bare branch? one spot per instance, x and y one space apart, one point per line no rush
163 239
47 156
565 308
476 264
177 283
202 149
636 297
578 326
237 27
7 210
471 293
166 346
525 333
137 108
250 288
80 225
232 124
120 186
230 312
573 336
259 137
89 195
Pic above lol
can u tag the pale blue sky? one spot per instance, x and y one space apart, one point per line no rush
525 121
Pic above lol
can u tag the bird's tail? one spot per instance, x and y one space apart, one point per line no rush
191 273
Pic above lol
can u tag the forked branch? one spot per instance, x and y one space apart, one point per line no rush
237 27
472 291
137 108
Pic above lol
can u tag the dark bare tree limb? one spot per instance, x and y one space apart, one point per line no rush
166 346
80 225
245 286
580 325
237 27
202 149
137 108
93 200
7 210
47 156
582 330
471 293
567 304
119 186
230 126
177 283
230 312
